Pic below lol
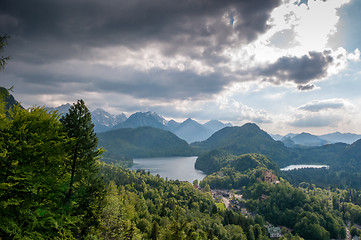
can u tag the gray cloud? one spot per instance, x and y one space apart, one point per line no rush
317 106
55 46
282 39
314 121
300 70
305 87
164 84
155 83
53 30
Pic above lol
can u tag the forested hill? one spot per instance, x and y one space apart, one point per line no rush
216 160
142 142
248 138
8 99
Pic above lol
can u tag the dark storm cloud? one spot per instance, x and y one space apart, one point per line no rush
164 84
152 84
63 29
300 70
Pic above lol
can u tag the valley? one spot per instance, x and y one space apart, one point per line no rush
148 184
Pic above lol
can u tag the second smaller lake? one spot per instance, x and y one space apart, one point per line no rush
301 166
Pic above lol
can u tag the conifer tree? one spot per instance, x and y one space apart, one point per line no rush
85 190
83 149
3 43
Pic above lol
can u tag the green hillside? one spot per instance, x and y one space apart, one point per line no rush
234 172
248 138
8 99
275 199
142 142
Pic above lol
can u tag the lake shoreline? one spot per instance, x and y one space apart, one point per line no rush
303 166
175 168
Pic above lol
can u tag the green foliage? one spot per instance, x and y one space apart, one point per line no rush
8 101
3 43
248 138
35 158
85 191
142 142
310 216
281 204
234 172
212 161
32 162
215 160
160 209
354 231
325 178
83 147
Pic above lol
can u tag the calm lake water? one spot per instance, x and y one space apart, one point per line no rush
181 168
300 166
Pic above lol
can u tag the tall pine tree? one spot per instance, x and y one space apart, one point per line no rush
83 149
85 190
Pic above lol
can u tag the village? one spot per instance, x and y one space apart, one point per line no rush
234 200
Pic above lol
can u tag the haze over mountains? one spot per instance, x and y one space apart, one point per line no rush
192 131
308 140
189 130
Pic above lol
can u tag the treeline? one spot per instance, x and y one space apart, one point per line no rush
234 172
152 208
325 178
310 216
307 210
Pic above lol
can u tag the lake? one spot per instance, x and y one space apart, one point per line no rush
300 166
181 168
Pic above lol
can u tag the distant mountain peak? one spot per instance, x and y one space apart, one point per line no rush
251 126
62 109
189 120
303 139
99 110
335 137
143 119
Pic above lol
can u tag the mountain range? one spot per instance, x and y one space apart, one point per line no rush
308 140
192 131
303 139
189 130
104 121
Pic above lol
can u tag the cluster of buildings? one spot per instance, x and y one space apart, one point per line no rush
269 177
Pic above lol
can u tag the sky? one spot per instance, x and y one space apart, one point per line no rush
286 65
